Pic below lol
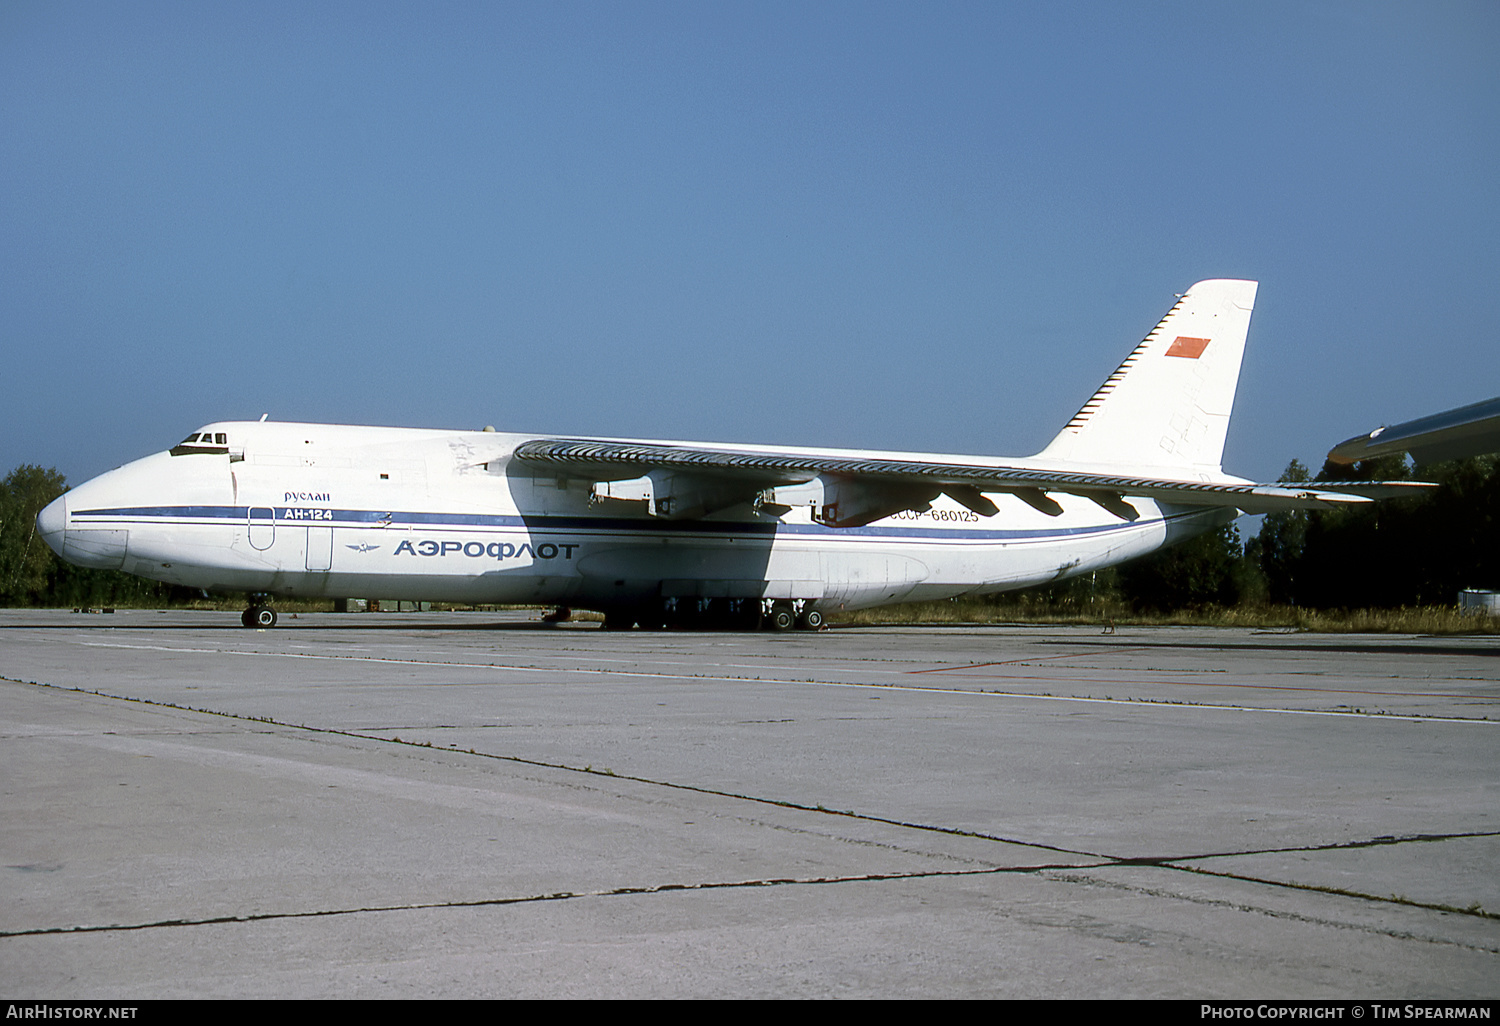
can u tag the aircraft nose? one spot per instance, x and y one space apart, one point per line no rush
52 522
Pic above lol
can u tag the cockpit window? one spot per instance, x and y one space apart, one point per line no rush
202 443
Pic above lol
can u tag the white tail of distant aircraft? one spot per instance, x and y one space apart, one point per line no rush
660 532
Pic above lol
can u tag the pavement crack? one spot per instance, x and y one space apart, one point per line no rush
1383 840
1476 910
609 892
1178 863
1172 862
1073 875
589 770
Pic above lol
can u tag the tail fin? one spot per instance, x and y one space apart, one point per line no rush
1168 404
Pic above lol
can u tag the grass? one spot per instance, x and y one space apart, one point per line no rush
1407 620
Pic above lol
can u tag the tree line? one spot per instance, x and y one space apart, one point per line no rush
1405 552
1418 551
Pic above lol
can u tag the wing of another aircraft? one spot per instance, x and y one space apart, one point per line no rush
892 485
1451 435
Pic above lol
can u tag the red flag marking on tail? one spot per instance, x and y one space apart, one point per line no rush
1191 348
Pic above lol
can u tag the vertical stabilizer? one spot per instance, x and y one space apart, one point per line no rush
1168 404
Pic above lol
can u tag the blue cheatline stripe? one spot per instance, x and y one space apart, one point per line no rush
348 517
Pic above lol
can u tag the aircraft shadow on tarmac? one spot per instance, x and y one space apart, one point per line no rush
291 622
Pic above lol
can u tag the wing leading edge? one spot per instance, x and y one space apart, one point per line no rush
1452 435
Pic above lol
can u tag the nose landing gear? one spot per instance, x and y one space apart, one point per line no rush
259 615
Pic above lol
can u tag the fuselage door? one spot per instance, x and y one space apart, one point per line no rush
262 523
320 548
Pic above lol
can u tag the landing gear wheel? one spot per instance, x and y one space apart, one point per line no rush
782 617
259 617
811 620
618 620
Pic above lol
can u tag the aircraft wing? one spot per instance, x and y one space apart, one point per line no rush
709 478
1453 434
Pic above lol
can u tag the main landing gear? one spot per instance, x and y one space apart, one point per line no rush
783 616
259 615
716 615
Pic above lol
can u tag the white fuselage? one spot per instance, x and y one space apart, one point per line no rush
393 513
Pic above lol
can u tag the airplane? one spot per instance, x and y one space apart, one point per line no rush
668 533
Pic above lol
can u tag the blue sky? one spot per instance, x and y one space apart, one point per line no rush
933 227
